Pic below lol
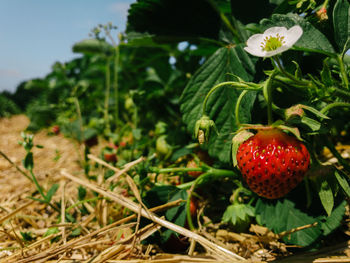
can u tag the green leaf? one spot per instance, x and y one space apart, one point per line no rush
27 236
180 19
311 123
181 152
159 195
341 23
93 46
333 221
76 232
51 192
239 215
314 111
326 75
28 162
311 40
174 213
342 180
326 195
282 215
51 231
81 192
177 214
219 67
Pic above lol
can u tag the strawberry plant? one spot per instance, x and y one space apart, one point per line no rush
293 67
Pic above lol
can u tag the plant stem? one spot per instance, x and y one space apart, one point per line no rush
226 21
267 90
175 170
37 184
236 194
212 172
244 86
80 119
210 92
342 92
343 71
115 83
15 165
108 87
82 202
334 105
336 154
238 103
287 74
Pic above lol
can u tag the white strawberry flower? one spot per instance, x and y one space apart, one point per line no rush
273 41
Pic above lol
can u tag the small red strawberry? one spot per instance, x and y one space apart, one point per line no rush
110 157
56 129
272 162
192 164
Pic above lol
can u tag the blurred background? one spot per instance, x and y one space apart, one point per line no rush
35 34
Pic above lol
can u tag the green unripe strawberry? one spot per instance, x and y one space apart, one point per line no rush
272 162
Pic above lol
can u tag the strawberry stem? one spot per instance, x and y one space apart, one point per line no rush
277 64
239 100
333 105
236 195
235 84
267 91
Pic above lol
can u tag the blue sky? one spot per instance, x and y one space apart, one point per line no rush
34 34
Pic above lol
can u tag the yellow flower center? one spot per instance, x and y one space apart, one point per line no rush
271 43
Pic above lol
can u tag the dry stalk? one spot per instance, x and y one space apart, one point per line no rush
14 212
90 235
49 253
129 180
217 251
288 232
16 166
63 212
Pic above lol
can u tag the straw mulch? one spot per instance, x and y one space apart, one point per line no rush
108 228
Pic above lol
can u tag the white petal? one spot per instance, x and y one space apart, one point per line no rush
255 52
282 31
293 35
255 41
277 51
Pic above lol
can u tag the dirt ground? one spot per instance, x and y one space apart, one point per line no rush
57 153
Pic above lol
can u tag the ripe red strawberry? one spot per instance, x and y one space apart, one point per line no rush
272 162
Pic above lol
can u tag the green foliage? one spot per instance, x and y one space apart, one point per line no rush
282 216
93 46
174 20
27 236
226 61
7 106
50 193
163 194
341 22
239 216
